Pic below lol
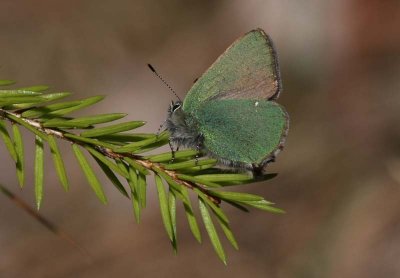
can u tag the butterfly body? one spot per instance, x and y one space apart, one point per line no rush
183 128
230 113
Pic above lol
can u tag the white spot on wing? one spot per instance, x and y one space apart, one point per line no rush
256 105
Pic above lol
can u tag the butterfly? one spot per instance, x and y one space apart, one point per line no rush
231 113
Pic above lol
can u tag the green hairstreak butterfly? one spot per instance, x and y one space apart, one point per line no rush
230 113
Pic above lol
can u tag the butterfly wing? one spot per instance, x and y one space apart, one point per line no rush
243 131
248 69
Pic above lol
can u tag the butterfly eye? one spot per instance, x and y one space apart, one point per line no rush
176 106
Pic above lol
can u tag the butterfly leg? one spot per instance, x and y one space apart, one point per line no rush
272 159
172 151
199 145
197 154
259 170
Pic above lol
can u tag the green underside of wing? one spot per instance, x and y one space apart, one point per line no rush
244 131
248 64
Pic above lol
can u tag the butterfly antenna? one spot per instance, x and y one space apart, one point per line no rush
165 82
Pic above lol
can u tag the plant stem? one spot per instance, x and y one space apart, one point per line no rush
42 220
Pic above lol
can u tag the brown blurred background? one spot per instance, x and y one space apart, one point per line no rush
339 176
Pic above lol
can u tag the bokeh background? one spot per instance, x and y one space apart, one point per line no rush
339 175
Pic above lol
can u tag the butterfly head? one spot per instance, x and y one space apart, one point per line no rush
175 106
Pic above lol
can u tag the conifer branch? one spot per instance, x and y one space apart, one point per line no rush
123 154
